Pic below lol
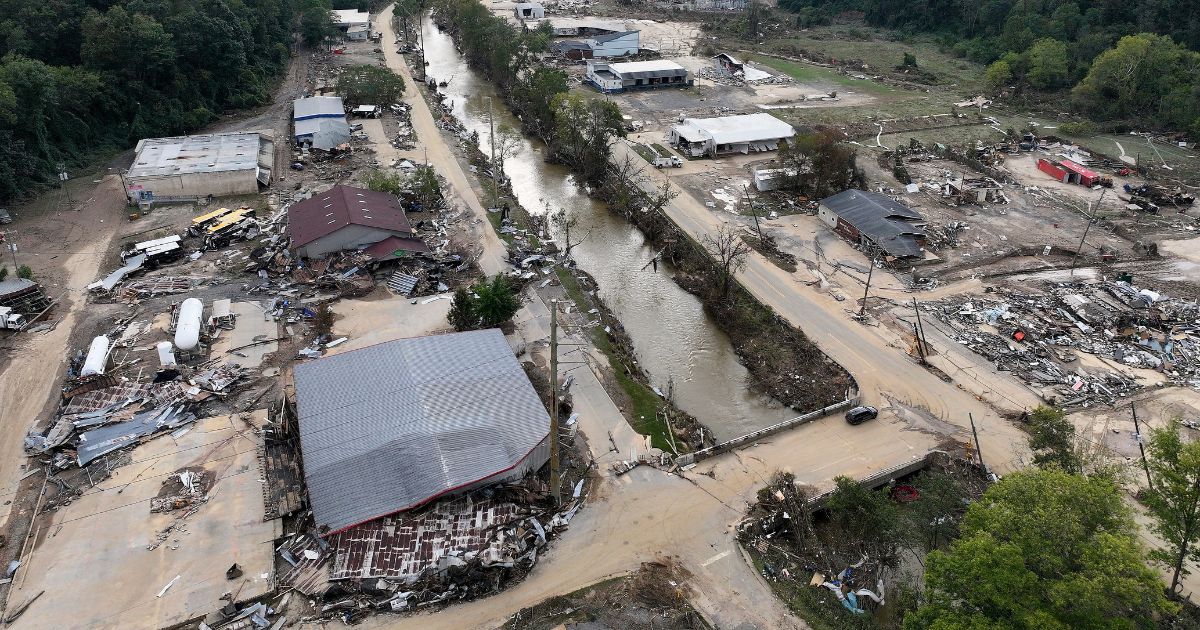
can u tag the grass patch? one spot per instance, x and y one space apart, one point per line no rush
808 73
644 404
663 151
646 152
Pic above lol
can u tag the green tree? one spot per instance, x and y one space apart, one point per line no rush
495 301
863 515
462 313
3 273
1136 77
1043 550
1174 499
1052 440
316 22
380 180
1048 60
910 60
583 130
25 272
370 85
423 188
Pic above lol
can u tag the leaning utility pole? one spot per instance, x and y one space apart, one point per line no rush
862 310
555 481
1137 432
978 448
1091 219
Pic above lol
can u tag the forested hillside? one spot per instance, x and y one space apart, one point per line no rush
79 77
1124 59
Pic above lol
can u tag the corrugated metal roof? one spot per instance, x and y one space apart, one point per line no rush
890 224
647 69
323 133
391 426
608 37
318 107
207 153
334 209
735 129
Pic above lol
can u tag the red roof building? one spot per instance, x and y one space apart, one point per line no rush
349 218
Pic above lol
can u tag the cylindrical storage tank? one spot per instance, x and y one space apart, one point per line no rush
187 327
97 357
166 354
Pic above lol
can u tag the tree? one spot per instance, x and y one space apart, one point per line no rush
1043 549
1048 60
370 85
583 130
495 301
462 313
383 181
730 253
864 515
1052 440
910 60
3 273
25 272
316 22
423 191
997 76
1174 499
565 222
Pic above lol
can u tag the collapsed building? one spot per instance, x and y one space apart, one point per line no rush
190 167
354 24
603 46
699 137
348 218
876 222
319 122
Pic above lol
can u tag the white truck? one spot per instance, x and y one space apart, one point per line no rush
671 161
10 320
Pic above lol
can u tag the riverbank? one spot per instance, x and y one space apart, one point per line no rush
650 411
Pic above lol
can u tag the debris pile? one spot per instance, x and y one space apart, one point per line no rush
1038 337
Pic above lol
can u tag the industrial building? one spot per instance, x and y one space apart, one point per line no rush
198 166
875 221
393 426
348 218
529 11
356 25
604 46
747 133
319 122
635 75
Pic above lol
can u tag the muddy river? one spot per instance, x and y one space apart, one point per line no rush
673 337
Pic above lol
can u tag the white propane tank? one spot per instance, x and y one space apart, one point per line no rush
166 354
97 357
187 327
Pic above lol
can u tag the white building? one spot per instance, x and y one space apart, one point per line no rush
602 46
319 122
197 166
529 11
730 134
355 24
635 75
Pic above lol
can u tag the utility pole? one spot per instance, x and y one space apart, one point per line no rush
870 271
920 346
754 213
1137 432
555 481
1091 219
920 328
495 167
978 447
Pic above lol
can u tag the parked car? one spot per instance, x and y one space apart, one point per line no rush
859 415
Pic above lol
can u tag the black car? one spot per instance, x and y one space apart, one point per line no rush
859 415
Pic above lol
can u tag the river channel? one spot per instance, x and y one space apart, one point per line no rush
672 335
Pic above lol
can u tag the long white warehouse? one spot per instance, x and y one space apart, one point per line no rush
699 137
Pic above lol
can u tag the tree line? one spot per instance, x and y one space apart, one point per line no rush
1121 60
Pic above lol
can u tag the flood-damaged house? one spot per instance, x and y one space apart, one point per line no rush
876 222
395 425
347 218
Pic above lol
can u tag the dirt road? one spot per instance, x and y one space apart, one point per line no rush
83 239
437 152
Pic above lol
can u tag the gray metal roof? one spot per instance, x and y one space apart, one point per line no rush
318 107
893 226
391 426
207 153
890 224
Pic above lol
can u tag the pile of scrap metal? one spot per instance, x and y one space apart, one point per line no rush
456 549
973 190
342 273
1151 198
252 616
1036 336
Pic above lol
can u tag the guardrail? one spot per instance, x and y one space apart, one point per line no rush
724 447
882 477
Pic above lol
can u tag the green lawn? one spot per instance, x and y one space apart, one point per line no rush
809 73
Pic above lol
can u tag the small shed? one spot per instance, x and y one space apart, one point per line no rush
529 11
